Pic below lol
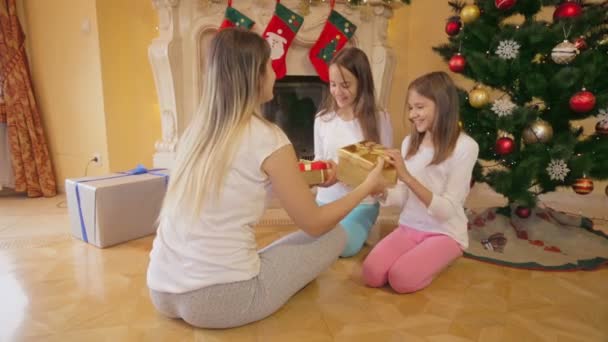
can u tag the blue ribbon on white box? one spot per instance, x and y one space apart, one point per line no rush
138 170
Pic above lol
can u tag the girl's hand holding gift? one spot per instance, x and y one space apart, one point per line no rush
397 161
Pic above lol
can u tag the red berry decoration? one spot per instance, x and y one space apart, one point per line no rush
583 186
567 10
523 212
504 146
553 249
457 63
504 4
601 128
452 27
580 43
522 234
582 102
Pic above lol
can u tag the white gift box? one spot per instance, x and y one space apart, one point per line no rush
108 210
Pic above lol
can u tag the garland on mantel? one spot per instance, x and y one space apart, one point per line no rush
362 2
386 2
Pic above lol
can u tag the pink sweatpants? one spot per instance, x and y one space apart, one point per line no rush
409 259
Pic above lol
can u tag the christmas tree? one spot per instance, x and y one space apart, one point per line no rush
533 79
327 52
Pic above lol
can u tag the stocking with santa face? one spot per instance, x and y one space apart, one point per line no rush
280 33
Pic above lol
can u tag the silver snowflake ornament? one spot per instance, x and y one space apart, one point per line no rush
558 169
508 49
503 107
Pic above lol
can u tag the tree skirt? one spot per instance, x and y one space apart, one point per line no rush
548 240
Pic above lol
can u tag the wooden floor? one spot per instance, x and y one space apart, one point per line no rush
54 288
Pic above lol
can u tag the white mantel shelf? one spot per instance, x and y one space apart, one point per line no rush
186 26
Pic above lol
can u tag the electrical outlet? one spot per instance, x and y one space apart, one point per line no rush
96 159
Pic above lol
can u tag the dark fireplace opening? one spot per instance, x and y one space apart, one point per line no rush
296 101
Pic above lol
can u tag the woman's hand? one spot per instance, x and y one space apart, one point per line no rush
330 174
375 183
397 161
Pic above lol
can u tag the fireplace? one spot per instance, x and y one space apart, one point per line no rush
186 26
296 101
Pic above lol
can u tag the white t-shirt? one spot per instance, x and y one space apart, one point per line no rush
449 181
333 133
220 247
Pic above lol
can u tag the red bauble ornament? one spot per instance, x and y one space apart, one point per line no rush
567 10
583 186
457 63
452 27
505 145
504 4
580 43
582 102
523 212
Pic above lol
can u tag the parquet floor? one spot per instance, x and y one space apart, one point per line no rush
54 288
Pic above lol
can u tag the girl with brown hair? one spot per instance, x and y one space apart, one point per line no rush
349 116
434 169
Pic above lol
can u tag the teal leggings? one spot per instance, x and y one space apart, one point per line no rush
357 225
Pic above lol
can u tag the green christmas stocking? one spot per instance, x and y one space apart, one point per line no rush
337 31
234 18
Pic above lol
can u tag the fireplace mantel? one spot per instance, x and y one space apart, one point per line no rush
185 26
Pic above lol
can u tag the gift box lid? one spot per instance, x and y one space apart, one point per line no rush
119 178
307 165
365 154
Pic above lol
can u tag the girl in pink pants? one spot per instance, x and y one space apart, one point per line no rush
434 168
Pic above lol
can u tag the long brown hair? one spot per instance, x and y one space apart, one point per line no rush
365 108
439 88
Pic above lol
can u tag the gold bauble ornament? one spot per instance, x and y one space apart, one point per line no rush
564 52
469 14
478 98
538 131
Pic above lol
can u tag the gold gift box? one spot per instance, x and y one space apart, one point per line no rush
356 161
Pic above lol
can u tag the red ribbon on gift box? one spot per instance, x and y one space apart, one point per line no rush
313 166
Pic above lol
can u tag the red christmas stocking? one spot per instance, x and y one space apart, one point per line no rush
337 31
280 33
234 18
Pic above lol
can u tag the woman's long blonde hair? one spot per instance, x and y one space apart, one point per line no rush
235 67
439 88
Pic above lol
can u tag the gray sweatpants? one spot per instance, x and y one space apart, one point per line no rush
287 265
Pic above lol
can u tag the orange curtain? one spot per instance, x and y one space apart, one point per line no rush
29 152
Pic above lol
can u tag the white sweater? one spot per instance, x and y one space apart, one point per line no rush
333 133
448 181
